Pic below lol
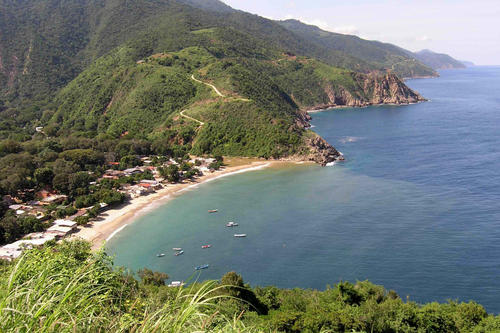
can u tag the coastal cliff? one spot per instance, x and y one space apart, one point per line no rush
370 89
321 151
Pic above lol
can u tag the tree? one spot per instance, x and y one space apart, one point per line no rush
235 287
148 277
44 176
61 182
130 161
9 147
171 173
78 183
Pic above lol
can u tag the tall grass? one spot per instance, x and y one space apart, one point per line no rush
60 290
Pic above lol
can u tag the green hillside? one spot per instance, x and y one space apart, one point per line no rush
438 60
381 55
259 115
44 44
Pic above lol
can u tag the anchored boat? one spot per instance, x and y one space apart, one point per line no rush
177 249
179 253
201 267
231 224
160 255
206 246
212 211
240 235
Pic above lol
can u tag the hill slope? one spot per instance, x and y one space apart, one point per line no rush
438 60
44 44
380 55
86 53
259 112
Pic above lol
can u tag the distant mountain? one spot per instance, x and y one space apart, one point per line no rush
467 63
438 60
340 50
380 55
212 5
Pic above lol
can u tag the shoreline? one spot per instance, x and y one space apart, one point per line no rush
334 107
114 220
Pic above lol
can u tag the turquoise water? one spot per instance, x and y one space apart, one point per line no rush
416 206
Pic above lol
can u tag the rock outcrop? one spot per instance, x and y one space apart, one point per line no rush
372 89
369 89
321 151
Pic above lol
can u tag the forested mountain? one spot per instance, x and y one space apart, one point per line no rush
438 60
378 54
46 44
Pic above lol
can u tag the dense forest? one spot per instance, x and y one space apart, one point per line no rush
63 288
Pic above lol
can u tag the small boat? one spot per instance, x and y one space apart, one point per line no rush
177 248
231 224
240 235
212 210
176 284
179 253
206 246
160 255
201 267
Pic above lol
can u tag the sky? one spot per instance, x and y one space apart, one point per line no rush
465 29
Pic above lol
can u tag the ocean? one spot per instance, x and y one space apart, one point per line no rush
415 206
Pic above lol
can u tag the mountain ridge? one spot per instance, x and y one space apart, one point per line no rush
438 60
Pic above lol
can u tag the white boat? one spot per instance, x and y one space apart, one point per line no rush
160 255
179 253
231 224
177 248
240 235
176 284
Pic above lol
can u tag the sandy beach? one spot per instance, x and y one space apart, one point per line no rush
110 222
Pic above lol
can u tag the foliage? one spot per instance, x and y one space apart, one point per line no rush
67 288
153 278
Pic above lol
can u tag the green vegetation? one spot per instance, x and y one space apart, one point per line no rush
438 60
66 288
379 55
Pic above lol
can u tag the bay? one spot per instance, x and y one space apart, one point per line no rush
415 207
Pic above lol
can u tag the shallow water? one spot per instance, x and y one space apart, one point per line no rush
415 207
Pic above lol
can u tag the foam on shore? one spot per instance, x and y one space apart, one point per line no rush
115 232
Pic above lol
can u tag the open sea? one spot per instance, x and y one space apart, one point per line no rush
415 207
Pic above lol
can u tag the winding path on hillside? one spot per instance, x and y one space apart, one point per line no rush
191 118
208 84
217 92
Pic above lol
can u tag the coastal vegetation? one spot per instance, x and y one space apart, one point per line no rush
66 287
101 101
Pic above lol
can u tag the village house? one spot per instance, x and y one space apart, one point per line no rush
59 231
132 171
14 250
65 223
55 198
113 174
135 191
154 184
